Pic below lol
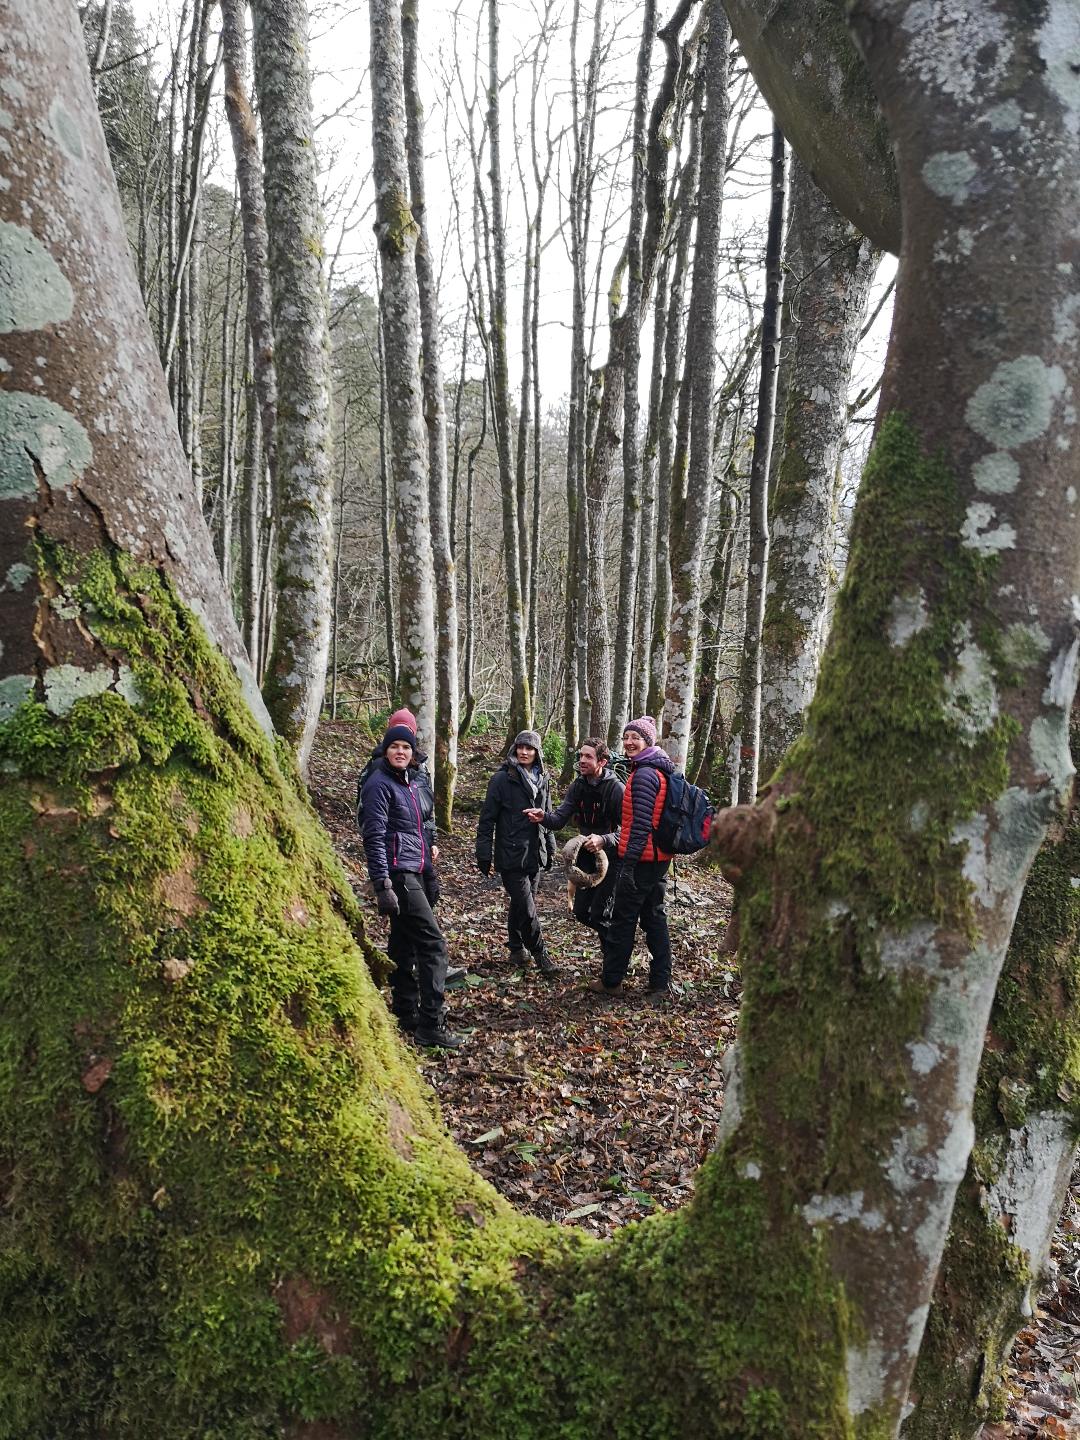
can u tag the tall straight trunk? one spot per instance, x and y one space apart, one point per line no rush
467 679
520 698
339 540
837 267
690 507
296 671
249 183
533 637
631 446
459 401
708 721
446 692
521 458
673 390
646 577
251 523
385 511
758 502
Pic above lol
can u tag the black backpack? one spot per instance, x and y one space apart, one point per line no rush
685 823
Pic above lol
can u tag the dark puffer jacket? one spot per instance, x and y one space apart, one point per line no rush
506 836
424 793
393 822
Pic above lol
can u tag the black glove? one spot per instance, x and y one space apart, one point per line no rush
484 866
432 888
386 899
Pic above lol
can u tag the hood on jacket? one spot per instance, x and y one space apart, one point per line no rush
654 756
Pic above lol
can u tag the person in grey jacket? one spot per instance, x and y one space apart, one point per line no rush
508 840
398 852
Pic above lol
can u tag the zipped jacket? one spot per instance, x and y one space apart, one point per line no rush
394 838
421 778
643 801
596 805
505 837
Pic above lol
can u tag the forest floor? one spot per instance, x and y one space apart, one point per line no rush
596 1112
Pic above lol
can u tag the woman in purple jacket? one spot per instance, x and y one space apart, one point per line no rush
398 853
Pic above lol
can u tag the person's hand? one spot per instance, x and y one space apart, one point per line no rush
434 854
484 867
432 888
387 900
593 843
535 815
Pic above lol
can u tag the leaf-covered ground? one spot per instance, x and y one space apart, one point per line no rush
595 1111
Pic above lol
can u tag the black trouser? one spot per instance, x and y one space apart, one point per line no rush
418 950
592 907
639 900
522 922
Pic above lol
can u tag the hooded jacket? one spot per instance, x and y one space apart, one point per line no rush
506 838
596 805
643 800
393 830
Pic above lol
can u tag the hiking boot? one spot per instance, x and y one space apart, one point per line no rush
455 972
545 964
518 956
658 994
597 987
407 1023
437 1037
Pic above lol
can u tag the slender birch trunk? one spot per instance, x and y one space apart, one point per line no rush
385 512
249 183
758 502
690 509
837 269
631 441
296 670
446 691
520 698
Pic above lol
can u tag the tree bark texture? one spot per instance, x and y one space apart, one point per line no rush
296 670
232 1209
758 498
837 267
823 101
446 694
520 698
396 232
690 506
249 184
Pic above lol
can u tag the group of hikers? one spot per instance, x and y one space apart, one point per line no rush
619 862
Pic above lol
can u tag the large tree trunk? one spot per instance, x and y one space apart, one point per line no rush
690 500
396 232
228 1207
446 697
836 269
296 669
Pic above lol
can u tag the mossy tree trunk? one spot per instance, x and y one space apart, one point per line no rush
446 630
228 1208
1027 1123
296 669
829 291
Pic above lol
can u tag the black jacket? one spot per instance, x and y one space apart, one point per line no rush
505 837
596 806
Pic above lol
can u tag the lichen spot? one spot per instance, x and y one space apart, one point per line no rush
17 576
949 174
865 1377
907 616
971 700
1058 40
37 435
66 129
64 684
996 474
1015 404
979 533
1024 645
34 291
1049 742
15 690
1005 117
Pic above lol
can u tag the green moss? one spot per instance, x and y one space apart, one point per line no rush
397 228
